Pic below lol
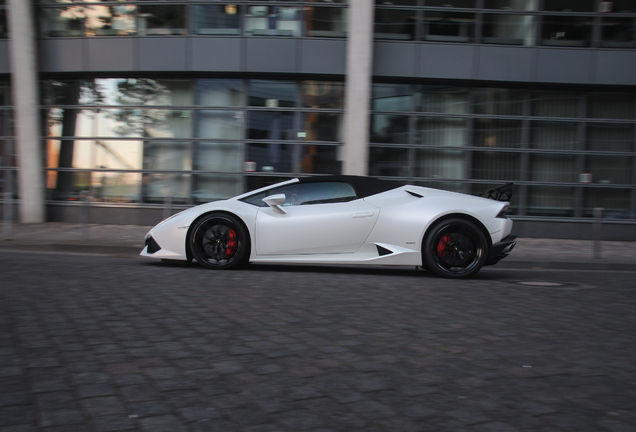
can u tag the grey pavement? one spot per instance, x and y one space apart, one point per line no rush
127 240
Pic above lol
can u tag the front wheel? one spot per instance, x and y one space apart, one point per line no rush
455 248
219 241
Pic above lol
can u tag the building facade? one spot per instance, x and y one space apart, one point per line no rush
154 105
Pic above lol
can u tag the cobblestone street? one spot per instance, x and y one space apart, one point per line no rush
93 343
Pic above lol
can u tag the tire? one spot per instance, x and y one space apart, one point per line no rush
219 241
455 248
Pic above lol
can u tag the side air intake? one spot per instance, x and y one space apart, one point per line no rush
383 251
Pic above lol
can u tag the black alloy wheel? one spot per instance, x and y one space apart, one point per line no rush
455 248
219 241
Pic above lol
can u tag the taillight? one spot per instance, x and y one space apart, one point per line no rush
502 213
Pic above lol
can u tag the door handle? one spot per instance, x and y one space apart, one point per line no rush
362 215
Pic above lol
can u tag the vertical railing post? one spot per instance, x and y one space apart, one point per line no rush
598 221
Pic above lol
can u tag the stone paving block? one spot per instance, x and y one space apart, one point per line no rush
103 406
164 423
61 417
16 415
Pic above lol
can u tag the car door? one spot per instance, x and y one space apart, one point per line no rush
316 218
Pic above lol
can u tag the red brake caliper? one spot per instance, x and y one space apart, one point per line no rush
231 244
441 246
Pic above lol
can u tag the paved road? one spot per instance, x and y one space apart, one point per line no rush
93 343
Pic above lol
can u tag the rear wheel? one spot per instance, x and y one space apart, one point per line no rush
455 248
219 241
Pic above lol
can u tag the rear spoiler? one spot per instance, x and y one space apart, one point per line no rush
500 193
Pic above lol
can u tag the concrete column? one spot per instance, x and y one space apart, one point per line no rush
358 87
24 86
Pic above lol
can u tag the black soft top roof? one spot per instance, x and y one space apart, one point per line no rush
364 186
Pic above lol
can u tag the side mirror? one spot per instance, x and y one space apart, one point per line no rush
275 201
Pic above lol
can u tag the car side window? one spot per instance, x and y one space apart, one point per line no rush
308 193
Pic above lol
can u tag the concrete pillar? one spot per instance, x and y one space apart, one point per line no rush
24 86
358 87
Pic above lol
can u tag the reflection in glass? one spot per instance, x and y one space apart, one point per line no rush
102 186
273 157
257 182
512 4
569 5
325 22
220 93
388 161
217 19
614 202
547 104
449 26
449 132
611 106
393 129
62 21
219 124
321 126
447 100
162 187
619 32
274 125
91 154
162 20
610 137
272 94
213 156
491 101
451 3
4 32
395 24
110 20
553 135
496 166
609 169
323 94
508 29
566 30
317 159
209 187
553 168
392 97
440 164
550 201
163 123
498 133
167 155
265 20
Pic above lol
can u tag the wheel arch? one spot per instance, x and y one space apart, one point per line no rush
189 256
468 217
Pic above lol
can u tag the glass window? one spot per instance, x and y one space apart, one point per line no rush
157 20
273 157
163 123
449 26
609 169
217 19
319 159
4 31
619 6
392 129
396 2
162 187
272 94
392 97
440 164
5 93
449 132
566 30
326 22
320 126
512 4
388 161
553 168
569 5
166 92
508 29
219 156
498 102
315 193
618 32
450 3
323 94
496 166
555 105
102 186
110 20
395 24
91 154
550 201
262 20
271 125
612 106
610 137
111 123
447 100
217 124
167 155
614 202
220 93
62 21
6 122
498 133
553 135
208 187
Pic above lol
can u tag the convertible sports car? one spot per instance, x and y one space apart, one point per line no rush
342 220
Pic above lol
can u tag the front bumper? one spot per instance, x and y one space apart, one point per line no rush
501 250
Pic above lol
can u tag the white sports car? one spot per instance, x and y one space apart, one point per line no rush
342 220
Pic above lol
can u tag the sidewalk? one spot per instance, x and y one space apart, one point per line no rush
128 240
